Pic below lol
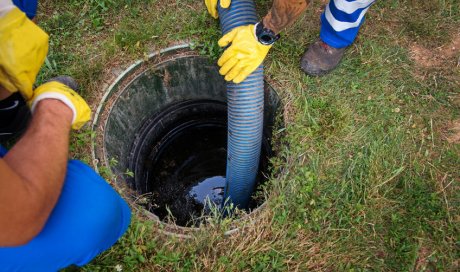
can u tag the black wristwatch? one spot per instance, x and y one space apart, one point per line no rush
264 35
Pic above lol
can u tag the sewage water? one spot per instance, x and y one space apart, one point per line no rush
185 169
210 190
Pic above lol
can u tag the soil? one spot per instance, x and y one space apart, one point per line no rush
422 260
431 58
454 132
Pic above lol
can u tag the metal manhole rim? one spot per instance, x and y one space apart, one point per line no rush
167 228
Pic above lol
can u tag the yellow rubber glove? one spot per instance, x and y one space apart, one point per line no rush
23 48
243 56
63 93
212 6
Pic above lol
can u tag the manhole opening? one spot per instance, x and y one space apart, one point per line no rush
162 130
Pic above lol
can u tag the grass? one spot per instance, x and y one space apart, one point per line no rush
365 178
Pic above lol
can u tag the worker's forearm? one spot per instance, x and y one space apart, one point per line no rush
283 13
40 156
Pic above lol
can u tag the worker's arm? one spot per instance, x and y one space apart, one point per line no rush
283 13
23 48
32 173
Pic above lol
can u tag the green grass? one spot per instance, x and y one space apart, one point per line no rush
365 180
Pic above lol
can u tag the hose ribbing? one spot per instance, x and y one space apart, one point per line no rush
245 115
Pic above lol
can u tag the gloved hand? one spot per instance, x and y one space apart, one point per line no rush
212 6
23 48
243 56
63 93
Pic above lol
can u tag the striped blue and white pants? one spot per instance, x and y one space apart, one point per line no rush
341 21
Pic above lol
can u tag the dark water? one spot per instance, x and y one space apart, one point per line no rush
209 190
189 167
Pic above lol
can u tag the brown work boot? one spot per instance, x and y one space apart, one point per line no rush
320 58
66 80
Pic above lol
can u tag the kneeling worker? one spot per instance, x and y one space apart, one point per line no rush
53 212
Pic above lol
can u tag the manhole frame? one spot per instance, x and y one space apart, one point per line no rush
98 147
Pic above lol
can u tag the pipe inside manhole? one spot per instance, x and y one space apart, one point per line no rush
162 130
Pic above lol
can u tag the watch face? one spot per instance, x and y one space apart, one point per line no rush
264 35
266 39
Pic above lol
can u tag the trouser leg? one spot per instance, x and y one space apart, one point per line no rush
88 219
341 20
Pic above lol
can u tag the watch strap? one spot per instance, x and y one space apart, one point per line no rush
264 35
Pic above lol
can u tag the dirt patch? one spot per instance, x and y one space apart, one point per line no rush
430 58
454 132
422 260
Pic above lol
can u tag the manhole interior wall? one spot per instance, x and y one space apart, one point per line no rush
164 121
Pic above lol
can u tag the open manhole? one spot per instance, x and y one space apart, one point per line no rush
162 130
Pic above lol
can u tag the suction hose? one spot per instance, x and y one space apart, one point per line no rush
245 115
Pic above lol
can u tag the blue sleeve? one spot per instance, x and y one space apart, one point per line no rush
29 7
